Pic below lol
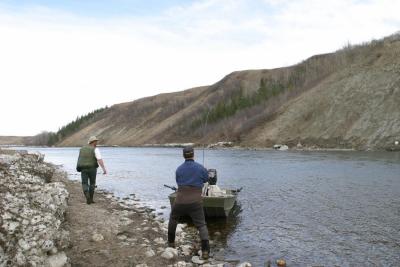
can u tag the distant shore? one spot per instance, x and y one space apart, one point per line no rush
233 147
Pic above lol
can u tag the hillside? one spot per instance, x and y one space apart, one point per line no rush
13 140
346 99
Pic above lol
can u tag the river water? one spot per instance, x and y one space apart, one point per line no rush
309 208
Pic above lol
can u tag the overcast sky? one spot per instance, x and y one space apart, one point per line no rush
63 59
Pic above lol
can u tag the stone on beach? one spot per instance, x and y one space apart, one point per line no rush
96 237
186 250
57 260
33 210
159 240
197 260
150 253
180 264
169 253
245 264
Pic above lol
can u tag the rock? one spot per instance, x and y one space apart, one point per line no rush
180 264
159 240
57 260
122 237
63 240
150 253
299 145
281 147
197 260
97 237
141 265
1 253
174 251
221 144
167 255
11 226
20 259
186 250
47 245
179 228
24 245
245 264
53 251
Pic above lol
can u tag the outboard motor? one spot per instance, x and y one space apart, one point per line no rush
212 176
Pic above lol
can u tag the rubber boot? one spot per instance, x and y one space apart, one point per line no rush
171 240
87 196
91 193
205 249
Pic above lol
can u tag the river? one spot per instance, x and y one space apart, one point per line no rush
309 208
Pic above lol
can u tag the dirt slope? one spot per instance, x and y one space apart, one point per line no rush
357 107
347 99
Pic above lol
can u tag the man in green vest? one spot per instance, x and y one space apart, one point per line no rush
88 162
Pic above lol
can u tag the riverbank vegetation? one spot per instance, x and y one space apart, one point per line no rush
50 138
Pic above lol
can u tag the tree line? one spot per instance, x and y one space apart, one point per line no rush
51 138
239 100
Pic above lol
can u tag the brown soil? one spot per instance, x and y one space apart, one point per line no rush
125 242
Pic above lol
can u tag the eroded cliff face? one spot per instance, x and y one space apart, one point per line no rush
346 99
32 210
355 107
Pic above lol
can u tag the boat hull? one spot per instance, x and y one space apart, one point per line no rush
214 206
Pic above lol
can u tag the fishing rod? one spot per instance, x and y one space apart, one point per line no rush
204 130
171 187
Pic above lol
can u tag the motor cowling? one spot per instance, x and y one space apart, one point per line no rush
212 176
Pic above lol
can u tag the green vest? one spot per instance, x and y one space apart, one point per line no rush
87 158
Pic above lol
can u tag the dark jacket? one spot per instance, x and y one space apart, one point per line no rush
87 159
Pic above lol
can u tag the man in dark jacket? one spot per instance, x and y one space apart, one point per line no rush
190 177
88 162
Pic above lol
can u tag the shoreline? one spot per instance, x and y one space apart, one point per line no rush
111 232
292 149
138 221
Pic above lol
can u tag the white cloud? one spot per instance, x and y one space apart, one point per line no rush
55 66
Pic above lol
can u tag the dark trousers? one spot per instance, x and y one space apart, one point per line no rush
88 177
195 212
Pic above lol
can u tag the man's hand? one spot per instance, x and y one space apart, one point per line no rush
101 163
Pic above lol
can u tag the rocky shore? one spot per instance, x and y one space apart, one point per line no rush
45 221
32 208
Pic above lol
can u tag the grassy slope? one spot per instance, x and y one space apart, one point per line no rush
345 99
